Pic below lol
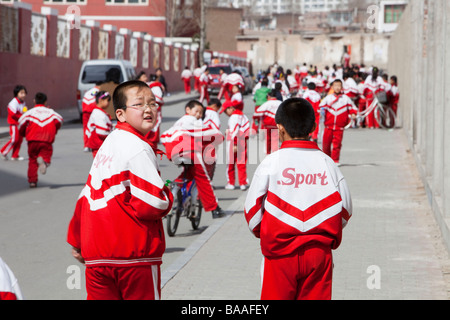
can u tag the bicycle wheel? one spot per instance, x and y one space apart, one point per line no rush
389 118
173 218
196 209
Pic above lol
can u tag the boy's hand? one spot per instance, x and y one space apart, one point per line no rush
76 253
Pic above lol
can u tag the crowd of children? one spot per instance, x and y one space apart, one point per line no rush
116 229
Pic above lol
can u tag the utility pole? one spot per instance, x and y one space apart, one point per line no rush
202 32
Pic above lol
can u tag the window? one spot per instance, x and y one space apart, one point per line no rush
393 13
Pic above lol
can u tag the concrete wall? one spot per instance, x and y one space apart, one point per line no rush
419 54
321 50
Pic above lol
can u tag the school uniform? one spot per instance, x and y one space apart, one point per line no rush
184 144
297 204
39 126
232 79
117 222
237 135
15 111
186 76
314 98
9 286
372 87
337 109
267 113
153 136
211 121
98 128
203 85
87 105
394 97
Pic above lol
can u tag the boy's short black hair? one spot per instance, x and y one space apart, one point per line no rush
18 88
40 98
192 103
215 101
119 96
297 117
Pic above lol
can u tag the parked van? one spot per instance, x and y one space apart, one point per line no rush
93 71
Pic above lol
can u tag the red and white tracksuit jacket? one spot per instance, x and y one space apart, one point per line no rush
298 200
184 142
87 105
98 128
9 286
351 88
15 111
314 98
371 88
204 81
39 126
211 119
337 109
237 101
153 137
267 113
394 97
233 79
118 216
237 136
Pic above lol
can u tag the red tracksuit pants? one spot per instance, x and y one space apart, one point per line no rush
187 85
204 94
237 159
371 122
199 171
123 283
38 149
332 142
304 275
14 142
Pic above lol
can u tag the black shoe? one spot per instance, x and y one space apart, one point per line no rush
218 213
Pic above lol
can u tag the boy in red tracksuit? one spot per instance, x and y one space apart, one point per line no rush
186 76
39 126
313 97
204 81
237 138
184 144
297 204
87 105
373 85
116 229
16 108
267 113
211 120
393 94
337 108
99 125
233 79
154 135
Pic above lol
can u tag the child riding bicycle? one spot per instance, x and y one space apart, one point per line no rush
184 145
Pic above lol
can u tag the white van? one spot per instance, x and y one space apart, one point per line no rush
93 71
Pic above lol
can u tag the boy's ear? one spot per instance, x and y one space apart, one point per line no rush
120 115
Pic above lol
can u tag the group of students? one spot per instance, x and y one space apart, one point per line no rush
38 125
337 95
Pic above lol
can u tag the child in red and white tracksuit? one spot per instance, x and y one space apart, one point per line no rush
298 204
184 144
337 108
211 120
373 85
231 80
16 108
393 94
9 286
154 136
267 113
237 137
186 76
116 230
39 126
313 97
204 81
99 125
87 105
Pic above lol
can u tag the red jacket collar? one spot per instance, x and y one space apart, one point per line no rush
299 144
237 111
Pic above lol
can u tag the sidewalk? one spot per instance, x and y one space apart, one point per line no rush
391 248
72 115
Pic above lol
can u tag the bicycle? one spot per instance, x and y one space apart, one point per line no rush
186 203
383 113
